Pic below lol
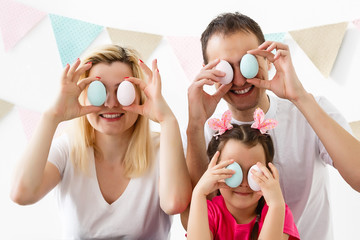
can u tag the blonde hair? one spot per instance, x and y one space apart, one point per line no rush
139 154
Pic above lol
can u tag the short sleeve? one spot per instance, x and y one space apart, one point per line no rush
330 109
289 225
59 153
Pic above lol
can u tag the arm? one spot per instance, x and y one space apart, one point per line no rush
213 179
34 177
201 107
175 185
273 227
343 148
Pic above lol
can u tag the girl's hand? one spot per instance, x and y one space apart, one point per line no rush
214 177
67 104
285 83
269 184
155 106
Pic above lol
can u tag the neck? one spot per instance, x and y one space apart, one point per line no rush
248 114
243 215
112 147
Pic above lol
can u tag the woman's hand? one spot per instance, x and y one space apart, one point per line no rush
285 83
155 106
214 177
269 184
67 104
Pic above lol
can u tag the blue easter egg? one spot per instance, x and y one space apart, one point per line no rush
96 93
235 180
249 66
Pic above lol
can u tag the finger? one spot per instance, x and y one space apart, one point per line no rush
214 159
221 91
223 164
213 74
89 109
147 71
263 53
73 68
65 72
86 81
212 64
223 171
281 53
274 171
223 185
81 70
264 169
260 83
137 81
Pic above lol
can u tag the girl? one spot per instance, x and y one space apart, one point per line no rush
113 181
240 213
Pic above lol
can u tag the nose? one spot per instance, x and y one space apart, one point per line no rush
111 100
244 182
238 80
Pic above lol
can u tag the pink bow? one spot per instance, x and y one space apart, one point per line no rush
221 125
259 122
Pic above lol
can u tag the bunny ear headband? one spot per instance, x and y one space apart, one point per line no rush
259 122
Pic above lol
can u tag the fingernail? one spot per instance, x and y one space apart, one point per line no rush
98 77
141 61
126 77
89 63
157 69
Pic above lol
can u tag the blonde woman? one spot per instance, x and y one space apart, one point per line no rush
114 178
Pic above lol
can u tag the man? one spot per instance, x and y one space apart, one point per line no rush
306 138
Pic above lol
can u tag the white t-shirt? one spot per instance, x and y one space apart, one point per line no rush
301 160
136 214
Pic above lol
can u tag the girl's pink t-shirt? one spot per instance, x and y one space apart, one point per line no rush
223 225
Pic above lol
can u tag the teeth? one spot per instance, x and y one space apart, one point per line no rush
111 115
243 91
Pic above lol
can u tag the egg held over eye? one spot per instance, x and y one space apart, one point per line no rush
225 67
126 93
96 93
236 179
252 183
249 66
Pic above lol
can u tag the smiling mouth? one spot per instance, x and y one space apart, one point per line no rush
243 91
111 116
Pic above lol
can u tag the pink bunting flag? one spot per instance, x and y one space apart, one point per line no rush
16 20
30 119
357 23
188 51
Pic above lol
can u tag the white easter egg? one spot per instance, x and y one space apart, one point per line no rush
126 93
252 183
225 67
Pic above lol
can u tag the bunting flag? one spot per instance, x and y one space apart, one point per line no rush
188 52
355 127
143 43
276 37
321 44
73 36
16 20
5 107
30 119
357 23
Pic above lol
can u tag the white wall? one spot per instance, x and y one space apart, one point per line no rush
29 79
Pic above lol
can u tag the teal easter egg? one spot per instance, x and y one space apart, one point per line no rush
96 93
235 180
249 66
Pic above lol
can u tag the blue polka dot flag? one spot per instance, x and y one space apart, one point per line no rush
277 37
73 36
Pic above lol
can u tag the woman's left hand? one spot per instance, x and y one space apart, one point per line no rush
155 106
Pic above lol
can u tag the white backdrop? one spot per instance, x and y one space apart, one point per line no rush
30 74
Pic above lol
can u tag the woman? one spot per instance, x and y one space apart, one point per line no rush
114 181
